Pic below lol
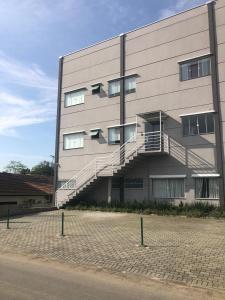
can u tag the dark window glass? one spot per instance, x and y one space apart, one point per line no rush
193 125
116 183
193 69
185 123
206 188
210 123
202 124
134 183
96 89
198 124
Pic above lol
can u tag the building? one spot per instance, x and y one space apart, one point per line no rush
20 193
141 116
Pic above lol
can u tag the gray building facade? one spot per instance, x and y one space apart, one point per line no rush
141 116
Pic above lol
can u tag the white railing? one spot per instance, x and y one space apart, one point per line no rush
149 142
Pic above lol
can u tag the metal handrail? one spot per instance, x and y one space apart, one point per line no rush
150 141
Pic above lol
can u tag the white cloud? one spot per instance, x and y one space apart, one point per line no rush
179 6
16 110
30 76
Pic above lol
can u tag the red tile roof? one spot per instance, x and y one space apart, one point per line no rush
16 184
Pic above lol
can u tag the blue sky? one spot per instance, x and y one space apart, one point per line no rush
33 34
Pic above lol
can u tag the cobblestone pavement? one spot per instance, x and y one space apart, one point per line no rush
188 251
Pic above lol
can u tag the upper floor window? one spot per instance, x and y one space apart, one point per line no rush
114 133
130 131
74 98
114 88
195 69
73 140
198 124
130 86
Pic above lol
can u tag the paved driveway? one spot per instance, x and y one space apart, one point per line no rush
189 251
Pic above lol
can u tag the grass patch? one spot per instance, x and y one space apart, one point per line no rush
197 210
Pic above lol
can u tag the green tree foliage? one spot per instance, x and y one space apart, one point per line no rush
43 168
16 167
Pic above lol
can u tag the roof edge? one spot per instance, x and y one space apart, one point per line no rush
140 27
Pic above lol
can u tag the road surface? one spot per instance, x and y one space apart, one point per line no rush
24 278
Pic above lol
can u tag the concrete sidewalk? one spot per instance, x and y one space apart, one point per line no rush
24 279
180 250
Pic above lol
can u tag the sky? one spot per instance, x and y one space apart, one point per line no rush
34 34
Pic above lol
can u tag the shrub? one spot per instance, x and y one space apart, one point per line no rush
198 209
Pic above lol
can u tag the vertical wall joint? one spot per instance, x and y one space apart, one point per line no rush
216 96
58 119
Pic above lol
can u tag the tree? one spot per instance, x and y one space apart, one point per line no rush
43 168
17 167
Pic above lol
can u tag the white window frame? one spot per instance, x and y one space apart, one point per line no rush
190 62
109 88
125 126
69 94
126 89
81 133
114 142
133 89
208 176
168 177
198 131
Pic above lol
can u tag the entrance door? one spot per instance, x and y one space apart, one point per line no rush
153 135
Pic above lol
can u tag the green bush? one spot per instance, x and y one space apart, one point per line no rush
198 209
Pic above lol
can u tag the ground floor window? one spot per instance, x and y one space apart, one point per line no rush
206 188
66 184
116 183
168 188
134 183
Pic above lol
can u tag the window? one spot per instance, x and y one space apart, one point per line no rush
73 140
134 183
167 188
114 88
206 188
130 85
74 98
64 184
114 135
116 183
198 124
130 132
195 69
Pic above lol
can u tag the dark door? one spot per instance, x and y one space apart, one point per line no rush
153 136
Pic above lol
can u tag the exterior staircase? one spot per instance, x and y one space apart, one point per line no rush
108 166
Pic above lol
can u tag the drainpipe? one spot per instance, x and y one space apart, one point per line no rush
122 107
58 119
216 98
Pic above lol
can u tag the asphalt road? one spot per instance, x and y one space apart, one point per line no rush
22 278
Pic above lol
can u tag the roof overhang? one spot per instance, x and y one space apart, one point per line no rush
153 115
